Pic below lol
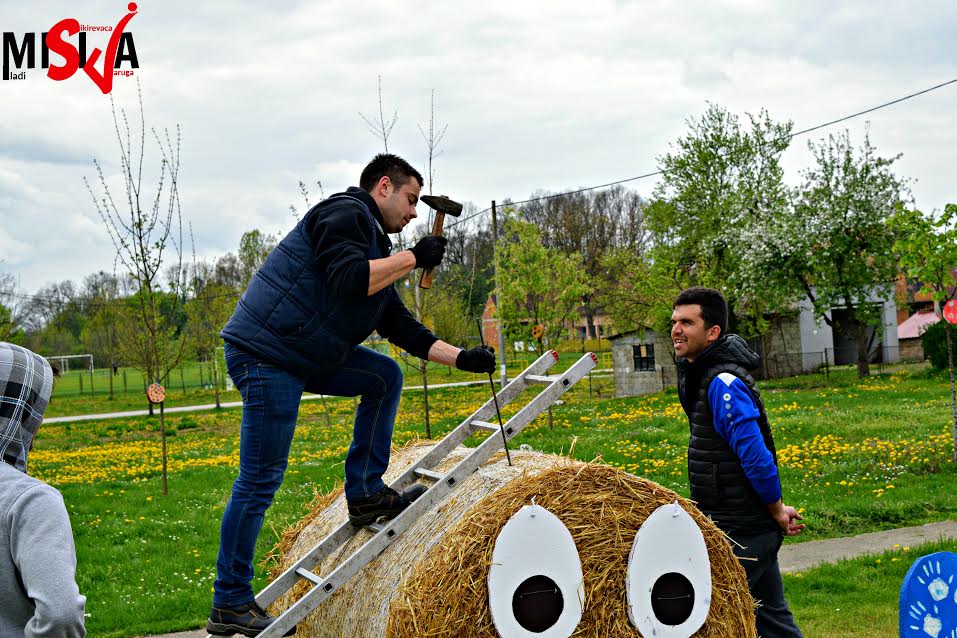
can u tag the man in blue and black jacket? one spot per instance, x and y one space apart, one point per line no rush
732 465
320 293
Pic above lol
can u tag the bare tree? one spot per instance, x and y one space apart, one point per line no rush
304 191
381 128
147 232
432 140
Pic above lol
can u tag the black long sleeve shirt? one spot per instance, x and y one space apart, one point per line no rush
341 238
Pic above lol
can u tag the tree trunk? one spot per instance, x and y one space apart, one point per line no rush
953 393
425 397
863 346
216 377
422 367
163 439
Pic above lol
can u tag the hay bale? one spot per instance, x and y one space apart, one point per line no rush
432 581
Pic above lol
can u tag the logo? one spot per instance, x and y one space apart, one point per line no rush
21 54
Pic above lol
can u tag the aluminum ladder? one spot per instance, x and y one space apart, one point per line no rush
442 484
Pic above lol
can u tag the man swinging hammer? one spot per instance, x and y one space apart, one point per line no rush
320 293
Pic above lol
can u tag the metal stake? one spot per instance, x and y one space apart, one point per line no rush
491 383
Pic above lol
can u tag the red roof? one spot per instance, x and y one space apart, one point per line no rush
915 325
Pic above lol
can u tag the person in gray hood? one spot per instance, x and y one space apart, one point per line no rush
38 586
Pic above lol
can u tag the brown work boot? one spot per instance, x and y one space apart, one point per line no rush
386 503
249 620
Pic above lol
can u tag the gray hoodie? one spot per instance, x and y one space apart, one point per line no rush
38 591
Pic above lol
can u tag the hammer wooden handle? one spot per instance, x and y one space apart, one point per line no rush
425 280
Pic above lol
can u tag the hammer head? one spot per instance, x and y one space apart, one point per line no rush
443 204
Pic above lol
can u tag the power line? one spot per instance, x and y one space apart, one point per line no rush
871 110
790 137
637 177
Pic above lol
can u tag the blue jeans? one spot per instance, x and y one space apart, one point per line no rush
271 399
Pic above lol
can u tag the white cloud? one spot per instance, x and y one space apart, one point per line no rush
549 95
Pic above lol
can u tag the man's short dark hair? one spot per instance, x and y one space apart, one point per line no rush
398 170
714 307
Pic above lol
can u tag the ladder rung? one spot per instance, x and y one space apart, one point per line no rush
429 474
385 534
484 425
308 575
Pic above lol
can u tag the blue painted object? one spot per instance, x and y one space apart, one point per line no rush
928 602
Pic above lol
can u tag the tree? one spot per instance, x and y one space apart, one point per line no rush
717 182
432 140
254 247
146 230
304 191
927 250
54 319
11 328
536 285
467 267
638 294
592 224
102 290
836 244
209 309
381 128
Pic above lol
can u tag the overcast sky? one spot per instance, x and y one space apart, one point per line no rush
537 95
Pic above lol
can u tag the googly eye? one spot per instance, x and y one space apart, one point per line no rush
535 583
669 575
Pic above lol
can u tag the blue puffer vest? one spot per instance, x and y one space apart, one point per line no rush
289 317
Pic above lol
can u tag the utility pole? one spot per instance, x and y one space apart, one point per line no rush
498 323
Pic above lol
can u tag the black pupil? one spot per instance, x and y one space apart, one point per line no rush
537 603
672 598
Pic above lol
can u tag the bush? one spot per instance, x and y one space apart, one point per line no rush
935 343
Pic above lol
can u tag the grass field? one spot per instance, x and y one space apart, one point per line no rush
855 456
191 384
854 598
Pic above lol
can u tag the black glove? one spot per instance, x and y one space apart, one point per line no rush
429 251
477 359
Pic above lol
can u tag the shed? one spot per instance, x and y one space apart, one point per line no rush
909 334
643 363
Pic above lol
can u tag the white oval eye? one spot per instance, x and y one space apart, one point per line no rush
535 582
669 575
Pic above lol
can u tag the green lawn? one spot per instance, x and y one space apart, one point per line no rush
855 456
191 384
854 598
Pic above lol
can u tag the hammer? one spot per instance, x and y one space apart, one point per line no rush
442 206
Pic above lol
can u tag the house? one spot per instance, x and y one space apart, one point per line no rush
910 299
578 326
643 362
909 334
803 343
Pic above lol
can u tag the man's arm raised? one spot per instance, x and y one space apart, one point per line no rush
427 253
384 272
